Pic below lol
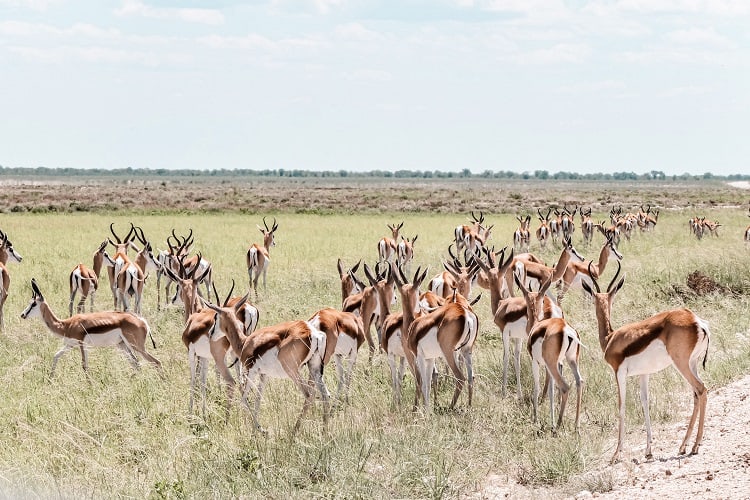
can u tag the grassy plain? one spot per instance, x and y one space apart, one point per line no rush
129 434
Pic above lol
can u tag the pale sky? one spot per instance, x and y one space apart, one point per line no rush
523 85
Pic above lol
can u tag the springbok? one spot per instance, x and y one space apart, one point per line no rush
257 256
277 351
578 272
587 226
405 252
543 232
98 329
7 254
550 342
349 285
86 280
344 336
522 235
386 245
676 337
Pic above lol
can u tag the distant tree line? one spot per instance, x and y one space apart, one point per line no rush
399 174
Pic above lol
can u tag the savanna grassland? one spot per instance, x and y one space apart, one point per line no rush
125 433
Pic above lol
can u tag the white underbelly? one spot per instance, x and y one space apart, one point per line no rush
110 338
395 347
345 345
269 365
202 347
429 348
517 329
651 360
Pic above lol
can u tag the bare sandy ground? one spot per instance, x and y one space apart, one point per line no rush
740 184
720 470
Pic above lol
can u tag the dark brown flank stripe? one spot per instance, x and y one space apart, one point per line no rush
97 328
391 329
353 304
514 314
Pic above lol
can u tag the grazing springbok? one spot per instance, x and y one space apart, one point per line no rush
550 342
647 220
522 235
7 254
587 226
447 332
386 245
349 285
676 337
344 336
257 256
543 231
277 351
393 341
578 272
98 329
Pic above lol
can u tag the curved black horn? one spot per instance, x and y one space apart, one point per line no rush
112 230
611 283
593 280
229 295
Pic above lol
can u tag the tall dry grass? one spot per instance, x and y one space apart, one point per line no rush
128 434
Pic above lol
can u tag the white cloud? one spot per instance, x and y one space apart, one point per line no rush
688 90
593 87
202 16
40 5
320 6
561 53
710 7
356 32
369 75
699 36
96 55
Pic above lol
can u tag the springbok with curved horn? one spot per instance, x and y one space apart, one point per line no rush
257 256
277 351
447 332
567 224
85 280
543 231
98 329
187 284
405 251
386 245
522 235
587 225
349 286
344 335
201 348
461 233
676 337
550 342
120 258
394 341
747 232
578 272
7 254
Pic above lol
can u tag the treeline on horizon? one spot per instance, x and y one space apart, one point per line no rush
399 174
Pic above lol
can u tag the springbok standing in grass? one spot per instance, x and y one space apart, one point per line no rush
405 252
187 284
257 256
462 232
447 332
543 231
534 273
747 233
86 280
386 245
567 224
394 341
587 225
7 254
510 313
676 337
344 336
550 342
349 285
168 259
578 272
367 304
456 275
522 235
99 329
120 258
277 351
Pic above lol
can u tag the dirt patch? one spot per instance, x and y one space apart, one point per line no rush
702 284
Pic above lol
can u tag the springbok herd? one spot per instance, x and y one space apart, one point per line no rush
439 323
